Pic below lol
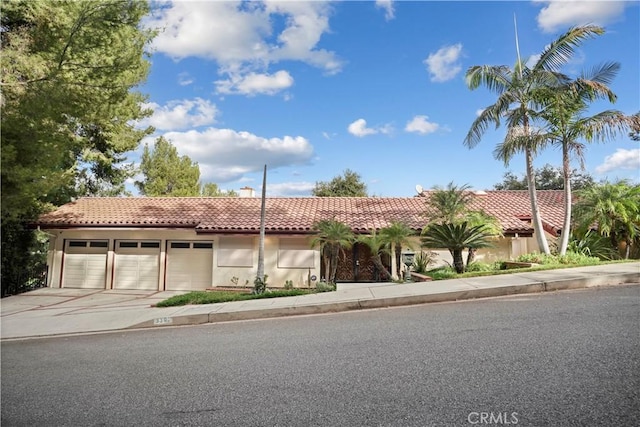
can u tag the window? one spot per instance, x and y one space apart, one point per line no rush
202 245
295 253
235 252
99 244
77 244
180 245
150 244
128 244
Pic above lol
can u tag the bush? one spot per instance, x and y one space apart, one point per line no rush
325 287
569 258
202 297
442 273
288 284
422 261
481 266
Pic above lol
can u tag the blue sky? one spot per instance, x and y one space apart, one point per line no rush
313 88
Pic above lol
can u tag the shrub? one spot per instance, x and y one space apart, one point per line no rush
288 284
569 258
423 260
442 273
481 266
325 287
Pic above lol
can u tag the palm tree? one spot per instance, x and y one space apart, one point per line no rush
332 236
565 125
613 209
456 237
378 245
452 205
448 204
397 235
517 105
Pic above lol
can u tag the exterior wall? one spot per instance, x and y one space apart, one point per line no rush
221 275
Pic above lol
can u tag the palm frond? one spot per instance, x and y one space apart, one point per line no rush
560 51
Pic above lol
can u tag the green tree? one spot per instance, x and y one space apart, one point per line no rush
166 173
456 238
331 237
566 126
397 235
516 104
546 178
349 184
378 246
69 106
211 189
613 209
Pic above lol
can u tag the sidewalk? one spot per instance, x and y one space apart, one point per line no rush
50 312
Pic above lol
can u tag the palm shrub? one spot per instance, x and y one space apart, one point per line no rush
592 244
422 261
331 237
378 246
397 235
455 238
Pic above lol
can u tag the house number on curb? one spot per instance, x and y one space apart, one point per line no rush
162 321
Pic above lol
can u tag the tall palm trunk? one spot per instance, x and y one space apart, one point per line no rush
335 252
398 252
566 224
538 230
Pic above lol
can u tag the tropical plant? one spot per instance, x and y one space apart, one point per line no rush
565 125
592 244
452 205
397 235
331 237
378 246
423 260
613 209
455 238
517 105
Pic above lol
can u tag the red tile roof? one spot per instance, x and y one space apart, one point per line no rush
293 215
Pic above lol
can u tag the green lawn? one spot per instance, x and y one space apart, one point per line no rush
212 297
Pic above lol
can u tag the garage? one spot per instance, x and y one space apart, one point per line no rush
85 264
136 265
189 265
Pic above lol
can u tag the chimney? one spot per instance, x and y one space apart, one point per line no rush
247 192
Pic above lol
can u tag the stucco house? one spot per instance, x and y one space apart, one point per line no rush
191 243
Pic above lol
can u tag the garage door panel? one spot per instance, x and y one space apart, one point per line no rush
189 265
85 264
137 267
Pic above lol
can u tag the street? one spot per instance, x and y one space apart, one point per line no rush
562 359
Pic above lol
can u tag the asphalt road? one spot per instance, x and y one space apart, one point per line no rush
559 359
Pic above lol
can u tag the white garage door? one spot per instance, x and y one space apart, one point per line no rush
85 264
137 265
189 265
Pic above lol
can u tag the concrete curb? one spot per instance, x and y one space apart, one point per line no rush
603 280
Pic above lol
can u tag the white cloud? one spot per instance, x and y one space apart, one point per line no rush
226 155
290 189
443 65
387 5
359 128
253 83
184 79
479 111
180 114
562 14
242 37
621 159
421 125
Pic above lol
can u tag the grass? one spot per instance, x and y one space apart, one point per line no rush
212 297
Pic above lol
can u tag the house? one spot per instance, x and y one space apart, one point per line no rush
191 243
